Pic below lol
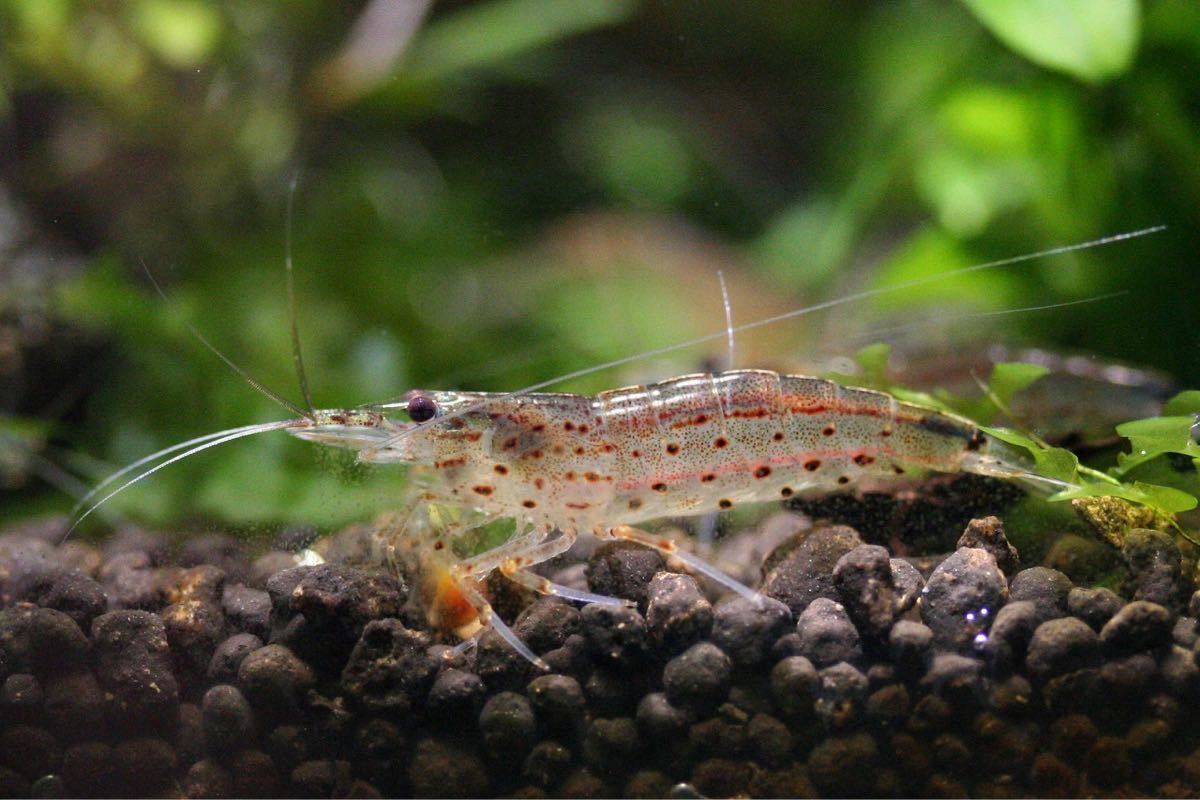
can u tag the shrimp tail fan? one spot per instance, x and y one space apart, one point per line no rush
1000 459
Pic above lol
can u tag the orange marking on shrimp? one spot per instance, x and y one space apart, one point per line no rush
448 605
850 409
659 483
756 413
808 409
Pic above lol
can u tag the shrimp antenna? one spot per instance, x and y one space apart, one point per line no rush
257 385
728 315
1003 312
99 487
297 357
799 312
210 440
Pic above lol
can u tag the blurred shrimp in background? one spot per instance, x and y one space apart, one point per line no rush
494 193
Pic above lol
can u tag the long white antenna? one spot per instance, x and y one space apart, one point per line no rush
728 317
799 312
213 441
297 357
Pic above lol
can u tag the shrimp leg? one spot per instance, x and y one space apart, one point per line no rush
489 618
399 529
670 548
514 557
543 585
517 549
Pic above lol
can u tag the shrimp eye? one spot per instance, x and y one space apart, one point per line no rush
422 408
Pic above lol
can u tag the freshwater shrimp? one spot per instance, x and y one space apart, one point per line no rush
561 465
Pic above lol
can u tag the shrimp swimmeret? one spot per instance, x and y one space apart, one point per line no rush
559 465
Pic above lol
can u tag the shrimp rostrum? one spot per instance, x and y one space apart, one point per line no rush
562 465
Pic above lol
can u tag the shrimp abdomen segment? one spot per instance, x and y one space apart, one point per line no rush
657 432
839 433
833 431
708 442
696 443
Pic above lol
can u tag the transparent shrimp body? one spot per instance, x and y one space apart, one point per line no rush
681 447
562 464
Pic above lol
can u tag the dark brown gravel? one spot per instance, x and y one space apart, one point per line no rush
127 672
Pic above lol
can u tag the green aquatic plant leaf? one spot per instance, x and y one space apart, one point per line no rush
1149 439
1061 464
486 34
1008 378
1009 436
1160 498
1005 380
1049 462
1057 462
938 400
183 33
1092 40
1166 498
1153 437
1183 403
873 360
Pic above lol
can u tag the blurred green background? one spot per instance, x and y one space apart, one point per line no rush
492 193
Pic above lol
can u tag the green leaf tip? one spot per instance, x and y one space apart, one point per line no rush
1008 378
1091 40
